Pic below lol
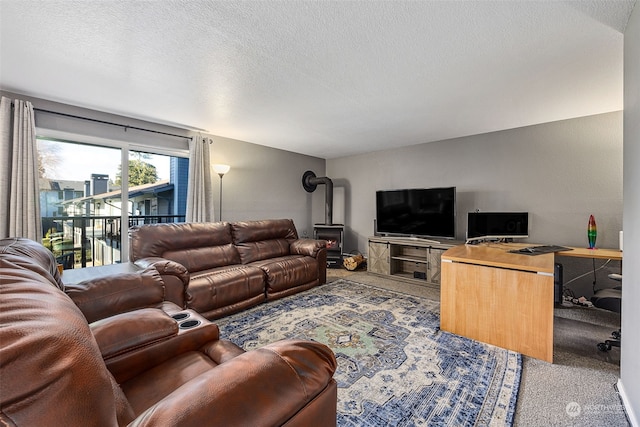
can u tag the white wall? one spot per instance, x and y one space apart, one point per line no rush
630 352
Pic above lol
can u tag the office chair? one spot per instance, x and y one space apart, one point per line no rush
610 299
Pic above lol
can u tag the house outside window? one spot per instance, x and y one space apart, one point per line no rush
84 214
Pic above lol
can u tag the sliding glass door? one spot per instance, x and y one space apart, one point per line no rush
88 201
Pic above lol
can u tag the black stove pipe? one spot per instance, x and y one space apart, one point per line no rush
310 182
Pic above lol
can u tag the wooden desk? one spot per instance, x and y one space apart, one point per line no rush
506 299
500 298
597 253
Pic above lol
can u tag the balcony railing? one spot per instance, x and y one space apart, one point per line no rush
81 241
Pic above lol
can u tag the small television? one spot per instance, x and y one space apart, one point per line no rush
418 212
497 225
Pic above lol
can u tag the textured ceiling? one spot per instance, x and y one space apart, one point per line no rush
323 78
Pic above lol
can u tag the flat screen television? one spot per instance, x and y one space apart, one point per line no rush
418 212
497 225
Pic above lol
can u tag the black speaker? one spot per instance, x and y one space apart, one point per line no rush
558 283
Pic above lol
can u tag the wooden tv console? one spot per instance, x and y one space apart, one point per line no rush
412 259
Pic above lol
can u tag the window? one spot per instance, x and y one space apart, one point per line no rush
81 197
157 188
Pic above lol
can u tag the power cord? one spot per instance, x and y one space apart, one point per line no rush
569 297
568 293
590 272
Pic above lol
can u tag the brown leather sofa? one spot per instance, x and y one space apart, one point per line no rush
221 268
113 352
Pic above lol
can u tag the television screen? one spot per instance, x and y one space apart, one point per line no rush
421 212
497 225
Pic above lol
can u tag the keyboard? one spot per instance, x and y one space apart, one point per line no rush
539 250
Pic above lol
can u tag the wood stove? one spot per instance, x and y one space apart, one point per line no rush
334 235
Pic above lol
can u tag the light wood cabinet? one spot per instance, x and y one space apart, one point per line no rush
500 298
378 261
414 260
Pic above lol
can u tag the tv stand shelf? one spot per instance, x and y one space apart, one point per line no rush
411 259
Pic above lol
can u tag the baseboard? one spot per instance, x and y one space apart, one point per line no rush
633 419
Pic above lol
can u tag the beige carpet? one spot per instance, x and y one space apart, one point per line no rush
577 390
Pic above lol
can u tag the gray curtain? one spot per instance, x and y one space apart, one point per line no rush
19 192
199 190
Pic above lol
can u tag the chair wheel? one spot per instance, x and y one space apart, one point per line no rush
604 346
616 335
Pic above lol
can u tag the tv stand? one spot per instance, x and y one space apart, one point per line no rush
412 259
412 238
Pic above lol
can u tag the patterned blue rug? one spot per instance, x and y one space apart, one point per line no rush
395 366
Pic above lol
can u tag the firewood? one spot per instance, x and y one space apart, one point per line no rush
352 262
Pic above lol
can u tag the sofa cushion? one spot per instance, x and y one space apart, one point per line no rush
263 387
257 240
262 250
288 272
254 231
197 259
197 246
224 286
166 378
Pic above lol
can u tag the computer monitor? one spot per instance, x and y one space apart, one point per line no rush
497 225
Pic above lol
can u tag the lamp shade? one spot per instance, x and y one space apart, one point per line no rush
221 169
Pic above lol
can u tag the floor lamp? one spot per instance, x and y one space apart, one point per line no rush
221 170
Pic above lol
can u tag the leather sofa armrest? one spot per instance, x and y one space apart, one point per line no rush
175 275
309 247
107 296
156 338
263 387
314 248
129 331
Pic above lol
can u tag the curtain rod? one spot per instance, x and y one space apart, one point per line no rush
111 123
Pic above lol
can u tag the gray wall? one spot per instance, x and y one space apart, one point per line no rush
559 172
267 183
630 359
262 183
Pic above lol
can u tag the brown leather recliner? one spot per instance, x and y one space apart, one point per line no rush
127 361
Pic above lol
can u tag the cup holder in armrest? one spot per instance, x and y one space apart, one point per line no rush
180 316
188 324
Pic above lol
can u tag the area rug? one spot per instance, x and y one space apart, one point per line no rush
395 366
